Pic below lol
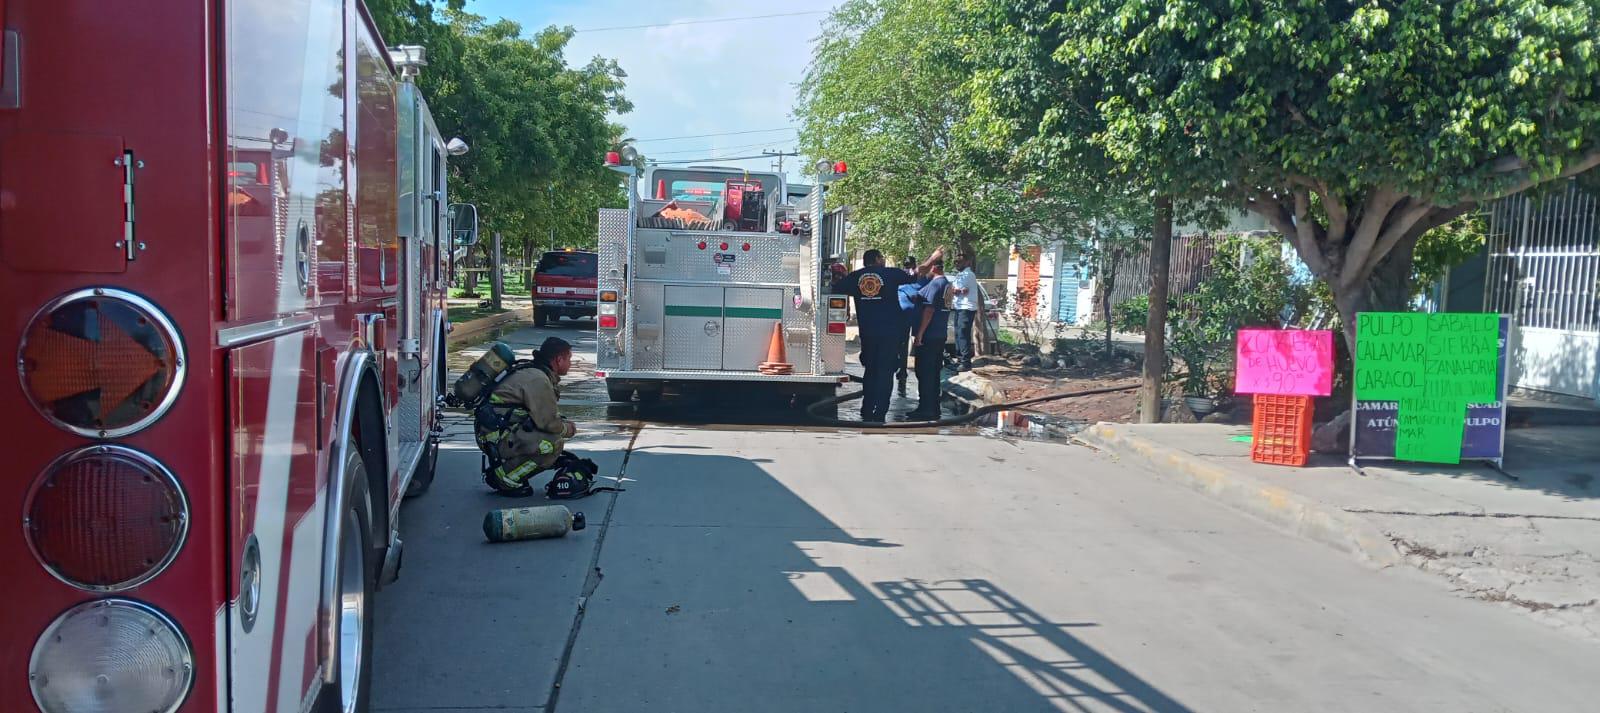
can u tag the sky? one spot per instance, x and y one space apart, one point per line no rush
688 80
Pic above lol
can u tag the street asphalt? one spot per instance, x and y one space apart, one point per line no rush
757 567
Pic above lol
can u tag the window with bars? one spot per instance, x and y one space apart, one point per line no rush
1544 260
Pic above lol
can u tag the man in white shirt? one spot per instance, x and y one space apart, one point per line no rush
964 303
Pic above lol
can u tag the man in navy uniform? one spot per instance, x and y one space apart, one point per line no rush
875 288
931 327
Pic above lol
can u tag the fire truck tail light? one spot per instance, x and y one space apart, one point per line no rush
111 656
101 363
608 296
608 321
836 327
105 518
835 303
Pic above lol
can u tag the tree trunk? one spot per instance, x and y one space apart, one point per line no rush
1387 289
1155 329
496 277
1107 285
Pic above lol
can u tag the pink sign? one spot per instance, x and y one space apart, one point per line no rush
1285 362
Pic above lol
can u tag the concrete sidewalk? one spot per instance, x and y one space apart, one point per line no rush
1532 543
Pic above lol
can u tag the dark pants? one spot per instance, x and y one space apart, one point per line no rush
930 365
878 355
902 358
964 320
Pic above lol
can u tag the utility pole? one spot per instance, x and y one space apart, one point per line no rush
780 155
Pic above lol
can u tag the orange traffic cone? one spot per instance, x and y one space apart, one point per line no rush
777 355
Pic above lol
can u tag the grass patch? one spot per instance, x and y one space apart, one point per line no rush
467 314
1008 337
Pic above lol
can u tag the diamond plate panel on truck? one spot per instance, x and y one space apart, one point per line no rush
677 255
647 326
612 246
693 327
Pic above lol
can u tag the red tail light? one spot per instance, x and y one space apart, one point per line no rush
102 363
836 327
608 321
106 518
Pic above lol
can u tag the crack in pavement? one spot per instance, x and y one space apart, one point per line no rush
1500 515
591 582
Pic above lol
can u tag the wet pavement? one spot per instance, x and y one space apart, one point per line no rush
583 396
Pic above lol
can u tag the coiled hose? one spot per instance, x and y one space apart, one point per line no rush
968 417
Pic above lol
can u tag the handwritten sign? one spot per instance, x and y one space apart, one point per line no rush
1284 362
1433 367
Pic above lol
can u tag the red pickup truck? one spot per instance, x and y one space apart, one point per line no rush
564 285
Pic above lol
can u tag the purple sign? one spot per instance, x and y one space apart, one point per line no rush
1482 439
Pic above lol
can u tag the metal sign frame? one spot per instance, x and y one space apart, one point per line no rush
1498 461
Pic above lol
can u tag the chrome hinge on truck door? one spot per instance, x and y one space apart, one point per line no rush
129 241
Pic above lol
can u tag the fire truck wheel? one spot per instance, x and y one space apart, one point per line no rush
649 396
619 392
358 569
540 319
423 478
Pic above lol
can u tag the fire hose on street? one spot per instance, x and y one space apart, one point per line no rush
970 416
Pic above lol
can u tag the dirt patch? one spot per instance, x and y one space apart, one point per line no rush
1023 373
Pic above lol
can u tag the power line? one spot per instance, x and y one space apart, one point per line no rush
713 149
725 133
709 158
706 21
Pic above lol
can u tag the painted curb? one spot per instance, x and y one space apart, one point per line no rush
1301 515
467 332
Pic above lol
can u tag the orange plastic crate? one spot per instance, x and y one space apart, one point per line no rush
1281 429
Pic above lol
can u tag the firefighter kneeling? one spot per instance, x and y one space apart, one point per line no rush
520 431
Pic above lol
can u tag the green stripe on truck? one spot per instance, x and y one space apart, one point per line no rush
755 312
693 311
738 312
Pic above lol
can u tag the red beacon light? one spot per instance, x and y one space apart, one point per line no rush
613 158
840 167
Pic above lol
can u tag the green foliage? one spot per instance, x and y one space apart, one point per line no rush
537 128
1355 128
1445 247
884 92
1249 287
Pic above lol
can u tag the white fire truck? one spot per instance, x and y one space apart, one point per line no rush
694 278
221 235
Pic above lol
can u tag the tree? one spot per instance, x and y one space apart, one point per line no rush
1354 128
884 92
538 128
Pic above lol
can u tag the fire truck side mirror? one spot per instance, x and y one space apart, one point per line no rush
464 224
456 147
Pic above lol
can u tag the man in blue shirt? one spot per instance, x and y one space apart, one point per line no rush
930 330
875 288
908 306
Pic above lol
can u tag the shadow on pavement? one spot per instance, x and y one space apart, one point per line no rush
724 590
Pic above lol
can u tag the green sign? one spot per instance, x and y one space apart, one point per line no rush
1433 365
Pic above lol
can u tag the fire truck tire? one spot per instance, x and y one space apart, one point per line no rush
540 319
620 392
423 478
649 396
357 582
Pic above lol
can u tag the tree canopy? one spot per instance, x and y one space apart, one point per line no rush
537 127
885 92
1354 128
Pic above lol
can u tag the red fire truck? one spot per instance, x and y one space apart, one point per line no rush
221 229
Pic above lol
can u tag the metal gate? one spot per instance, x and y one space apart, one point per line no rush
1544 270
